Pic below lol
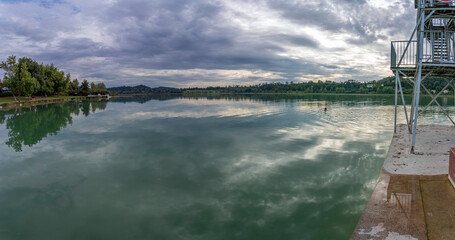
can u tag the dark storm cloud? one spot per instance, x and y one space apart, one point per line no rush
186 35
28 31
154 28
296 40
76 48
356 18
98 40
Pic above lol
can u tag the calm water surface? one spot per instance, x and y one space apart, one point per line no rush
186 168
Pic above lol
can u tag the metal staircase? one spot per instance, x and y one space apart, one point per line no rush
440 50
429 53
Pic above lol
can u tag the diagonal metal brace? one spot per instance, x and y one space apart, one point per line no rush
442 109
434 98
412 35
403 101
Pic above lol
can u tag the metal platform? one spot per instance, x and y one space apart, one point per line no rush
435 70
429 53
434 3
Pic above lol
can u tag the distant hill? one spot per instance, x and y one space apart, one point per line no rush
142 89
383 86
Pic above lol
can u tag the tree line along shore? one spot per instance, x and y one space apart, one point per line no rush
25 78
383 86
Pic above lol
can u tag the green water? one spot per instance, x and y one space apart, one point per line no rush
247 167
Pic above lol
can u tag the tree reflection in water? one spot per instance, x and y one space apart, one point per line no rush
27 126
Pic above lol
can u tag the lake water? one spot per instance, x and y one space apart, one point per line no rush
258 167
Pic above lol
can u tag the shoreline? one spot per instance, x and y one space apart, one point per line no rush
42 101
296 93
190 94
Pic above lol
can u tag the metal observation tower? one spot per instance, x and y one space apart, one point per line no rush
429 53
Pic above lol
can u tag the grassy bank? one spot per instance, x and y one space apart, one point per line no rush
6 102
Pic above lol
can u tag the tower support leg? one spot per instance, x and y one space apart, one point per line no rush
396 101
416 106
418 79
411 118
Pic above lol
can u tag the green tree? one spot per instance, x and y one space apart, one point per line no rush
85 90
25 76
93 88
388 90
66 84
101 88
49 84
18 79
75 87
11 75
340 90
55 80
36 71
28 84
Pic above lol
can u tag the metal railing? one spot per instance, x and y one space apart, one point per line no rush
438 48
434 3
404 54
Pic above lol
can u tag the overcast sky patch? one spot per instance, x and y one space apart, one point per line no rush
207 42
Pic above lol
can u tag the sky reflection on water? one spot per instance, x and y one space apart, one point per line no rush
194 169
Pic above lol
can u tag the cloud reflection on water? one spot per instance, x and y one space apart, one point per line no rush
198 169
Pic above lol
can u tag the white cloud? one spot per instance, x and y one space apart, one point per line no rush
211 42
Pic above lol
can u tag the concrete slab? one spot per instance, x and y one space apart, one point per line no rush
432 151
439 204
413 198
394 211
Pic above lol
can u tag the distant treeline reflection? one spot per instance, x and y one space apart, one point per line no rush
29 125
270 97
143 98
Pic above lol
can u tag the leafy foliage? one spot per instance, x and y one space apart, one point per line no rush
383 86
85 90
25 77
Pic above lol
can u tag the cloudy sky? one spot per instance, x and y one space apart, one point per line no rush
180 43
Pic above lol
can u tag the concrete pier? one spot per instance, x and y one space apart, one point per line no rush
431 154
413 198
